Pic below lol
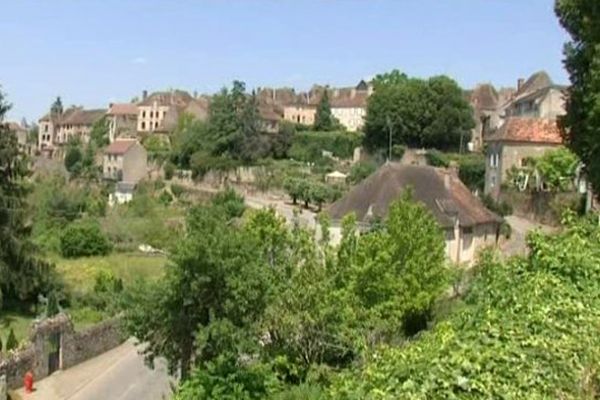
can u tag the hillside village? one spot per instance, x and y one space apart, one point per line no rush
398 237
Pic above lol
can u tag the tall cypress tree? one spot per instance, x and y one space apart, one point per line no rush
22 275
324 120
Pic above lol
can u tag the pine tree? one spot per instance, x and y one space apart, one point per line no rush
22 276
11 342
324 120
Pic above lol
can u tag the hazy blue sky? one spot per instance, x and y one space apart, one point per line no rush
93 52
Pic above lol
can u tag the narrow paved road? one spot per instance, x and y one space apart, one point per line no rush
119 374
520 228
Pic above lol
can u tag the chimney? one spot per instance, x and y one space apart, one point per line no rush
520 83
144 95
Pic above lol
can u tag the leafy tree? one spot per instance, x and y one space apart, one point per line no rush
581 125
99 132
73 158
82 239
418 113
282 141
11 342
169 170
213 293
319 193
52 306
22 275
324 120
535 315
293 188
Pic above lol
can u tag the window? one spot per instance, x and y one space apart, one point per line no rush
45 128
151 114
164 114
493 181
143 125
156 125
143 114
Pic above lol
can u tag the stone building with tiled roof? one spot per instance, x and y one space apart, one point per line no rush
122 120
348 105
159 112
518 139
125 160
73 123
466 223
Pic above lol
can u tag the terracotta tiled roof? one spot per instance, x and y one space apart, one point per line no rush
355 100
122 109
439 190
119 146
530 130
82 117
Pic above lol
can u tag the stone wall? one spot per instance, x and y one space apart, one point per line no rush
75 347
543 207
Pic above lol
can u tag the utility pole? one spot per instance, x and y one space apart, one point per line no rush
390 131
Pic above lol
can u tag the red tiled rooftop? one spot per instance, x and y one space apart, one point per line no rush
119 146
123 109
530 130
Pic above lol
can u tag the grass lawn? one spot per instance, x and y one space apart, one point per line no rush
20 323
80 273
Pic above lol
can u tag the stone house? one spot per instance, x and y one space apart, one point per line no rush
122 120
515 141
466 223
22 136
348 105
125 160
57 130
538 97
351 110
159 112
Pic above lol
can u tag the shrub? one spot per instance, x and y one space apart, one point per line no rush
360 171
308 146
165 198
232 203
84 238
436 158
177 190
471 172
398 151
169 170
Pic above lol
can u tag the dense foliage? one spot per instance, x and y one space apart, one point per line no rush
528 330
82 239
249 310
581 125
308 146
419 113
471 166
324 120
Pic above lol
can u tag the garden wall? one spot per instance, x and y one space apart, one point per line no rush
543 207
57 335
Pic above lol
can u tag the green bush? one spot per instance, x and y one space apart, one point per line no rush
398 151
169 170
84 238
177 190
309 146
471 172
436 158
165 198
232 203
360 171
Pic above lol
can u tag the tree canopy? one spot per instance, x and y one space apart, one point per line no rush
420 113
581 125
